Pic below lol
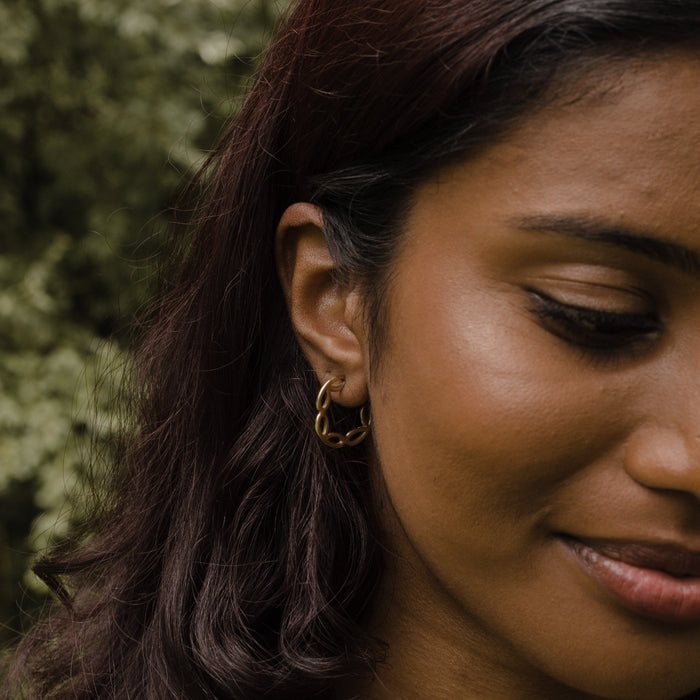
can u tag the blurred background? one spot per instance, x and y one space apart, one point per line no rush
106 109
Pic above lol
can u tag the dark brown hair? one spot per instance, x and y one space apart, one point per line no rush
235 555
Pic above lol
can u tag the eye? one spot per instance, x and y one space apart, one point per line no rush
595 330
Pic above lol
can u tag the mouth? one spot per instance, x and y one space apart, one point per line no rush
656 581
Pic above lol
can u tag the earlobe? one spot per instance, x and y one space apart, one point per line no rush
326 314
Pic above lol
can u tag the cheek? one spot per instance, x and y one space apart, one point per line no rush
480 417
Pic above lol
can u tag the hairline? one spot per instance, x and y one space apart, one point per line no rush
595 82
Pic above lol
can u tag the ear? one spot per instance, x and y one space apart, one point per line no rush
326 315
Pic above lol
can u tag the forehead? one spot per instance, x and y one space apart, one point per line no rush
627 148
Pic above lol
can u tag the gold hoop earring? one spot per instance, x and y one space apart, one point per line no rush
322 425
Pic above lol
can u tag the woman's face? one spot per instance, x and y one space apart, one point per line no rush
536 411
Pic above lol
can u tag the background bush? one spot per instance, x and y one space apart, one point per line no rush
106 106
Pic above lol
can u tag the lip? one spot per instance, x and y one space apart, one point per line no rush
656 581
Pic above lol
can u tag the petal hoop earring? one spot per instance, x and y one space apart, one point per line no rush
322 425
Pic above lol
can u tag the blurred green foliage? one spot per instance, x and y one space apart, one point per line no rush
106 106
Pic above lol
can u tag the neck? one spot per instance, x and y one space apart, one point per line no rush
435 650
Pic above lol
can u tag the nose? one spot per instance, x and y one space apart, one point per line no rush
665 458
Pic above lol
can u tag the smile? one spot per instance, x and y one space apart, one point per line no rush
657 581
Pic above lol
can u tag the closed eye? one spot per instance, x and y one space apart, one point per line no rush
593 329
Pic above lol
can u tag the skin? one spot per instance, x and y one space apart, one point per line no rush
495 432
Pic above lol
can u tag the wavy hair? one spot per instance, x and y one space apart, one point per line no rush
235 556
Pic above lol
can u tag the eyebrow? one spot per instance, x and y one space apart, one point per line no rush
583 228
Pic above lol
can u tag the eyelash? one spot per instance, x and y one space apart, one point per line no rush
600 334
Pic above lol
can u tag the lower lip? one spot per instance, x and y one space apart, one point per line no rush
648 592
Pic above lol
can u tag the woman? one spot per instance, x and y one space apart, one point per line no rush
419 412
